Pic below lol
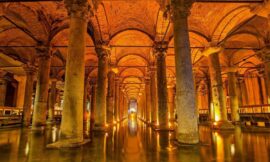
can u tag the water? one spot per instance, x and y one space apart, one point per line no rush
133 141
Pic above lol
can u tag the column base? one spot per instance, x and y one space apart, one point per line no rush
222 125
189 138
164 127
101 128
68 143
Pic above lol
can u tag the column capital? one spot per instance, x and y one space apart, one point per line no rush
262 9
231 69
79 10
43 52
211 50
30 69
160 48
180 8
103 50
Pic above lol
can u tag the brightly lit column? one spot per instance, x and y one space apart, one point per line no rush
218 98
266 57
93 105
100 116
160 54
171 95
232 83
21 90
27 105
71 130
187 130
52 100
42 87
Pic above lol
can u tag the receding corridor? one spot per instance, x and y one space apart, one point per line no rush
132 141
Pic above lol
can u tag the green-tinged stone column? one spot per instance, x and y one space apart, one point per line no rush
110 97
3 88
28 93
233 86
154 98
187 130
218 96
101 111
148 100
71 130
162 118
52 100
42 87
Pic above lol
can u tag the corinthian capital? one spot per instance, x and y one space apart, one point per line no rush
102 50
79 10
181 8
160 48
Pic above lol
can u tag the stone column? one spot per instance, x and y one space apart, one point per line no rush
162 118
42 87
21 90
218 97
3 90
267 75
100 116
93 105
117 91
52 100
154 98
27 105
86 100
148 100
171 95
110 97
187 131
232 85
72 116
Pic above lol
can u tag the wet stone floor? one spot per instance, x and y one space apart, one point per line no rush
133 141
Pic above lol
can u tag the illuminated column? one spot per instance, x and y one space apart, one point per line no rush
234 105
100 116
162 118
187 130
30 74
116 107
110 97
85 99
171 94
71 130
42 87
148 100
93 105
21 90
154 98
3 88
52 100
218 98
267 75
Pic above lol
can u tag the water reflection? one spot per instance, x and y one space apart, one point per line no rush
135 141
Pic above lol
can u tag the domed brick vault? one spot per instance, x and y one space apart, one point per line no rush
129 33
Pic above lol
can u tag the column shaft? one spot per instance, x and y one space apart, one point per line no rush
100 116
28 93
154 98
162 118
117 91
110 97
93 106
234 105
187 131
148 100
219 103
42 87
52 101
3 90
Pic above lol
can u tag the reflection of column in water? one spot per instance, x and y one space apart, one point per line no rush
223 146
238 144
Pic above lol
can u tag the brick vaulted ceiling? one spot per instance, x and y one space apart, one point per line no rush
130 28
